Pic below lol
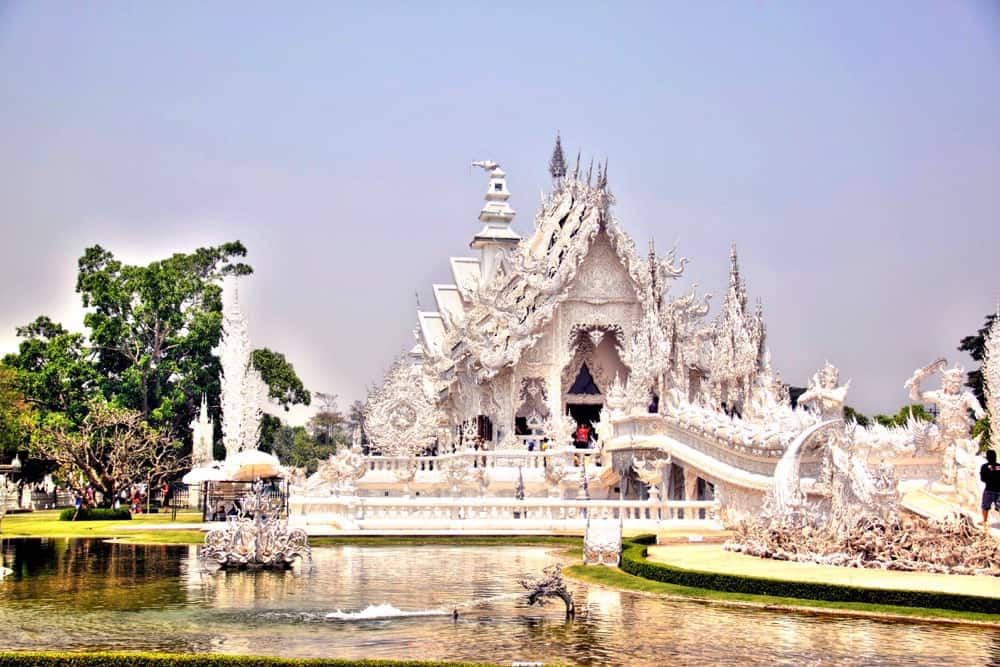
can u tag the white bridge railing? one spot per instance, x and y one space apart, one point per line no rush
496 458
458 513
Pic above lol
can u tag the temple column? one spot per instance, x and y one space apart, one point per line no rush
690 491
690 484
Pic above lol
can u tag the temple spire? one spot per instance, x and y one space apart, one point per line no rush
557 163
496 236
652 267
734 267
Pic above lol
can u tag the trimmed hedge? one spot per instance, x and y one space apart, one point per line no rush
195 660
96 514
634 562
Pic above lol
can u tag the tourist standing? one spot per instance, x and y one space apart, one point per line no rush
989 473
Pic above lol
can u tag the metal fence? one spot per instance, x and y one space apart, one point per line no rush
224 499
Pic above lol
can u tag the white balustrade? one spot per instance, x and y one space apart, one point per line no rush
485 513
493 458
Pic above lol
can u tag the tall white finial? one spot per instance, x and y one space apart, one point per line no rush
991 377
496 236
242 389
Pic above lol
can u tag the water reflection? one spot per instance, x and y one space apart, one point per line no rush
80 594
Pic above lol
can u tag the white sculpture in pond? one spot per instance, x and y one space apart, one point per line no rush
953 406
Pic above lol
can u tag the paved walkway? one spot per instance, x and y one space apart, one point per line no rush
713 558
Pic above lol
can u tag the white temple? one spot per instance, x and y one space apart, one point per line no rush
570 326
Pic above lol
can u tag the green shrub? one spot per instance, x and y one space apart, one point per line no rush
165 659
634 562
96 514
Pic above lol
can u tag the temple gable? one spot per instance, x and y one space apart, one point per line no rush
602 277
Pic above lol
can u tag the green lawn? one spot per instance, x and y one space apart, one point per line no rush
46 523
615 578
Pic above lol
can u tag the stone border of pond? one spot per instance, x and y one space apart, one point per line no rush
640 575
121 659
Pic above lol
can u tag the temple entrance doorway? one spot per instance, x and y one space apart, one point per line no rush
586 413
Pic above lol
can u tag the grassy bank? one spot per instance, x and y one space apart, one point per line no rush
615 578
47 524
675 585
164 659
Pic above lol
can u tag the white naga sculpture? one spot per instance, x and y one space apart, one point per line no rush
824 394
651 473
953 414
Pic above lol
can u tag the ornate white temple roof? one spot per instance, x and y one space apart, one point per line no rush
431 331
449 304
465 271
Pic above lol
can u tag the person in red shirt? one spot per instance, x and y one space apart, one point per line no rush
582 437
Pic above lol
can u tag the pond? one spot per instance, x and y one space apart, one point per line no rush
87 594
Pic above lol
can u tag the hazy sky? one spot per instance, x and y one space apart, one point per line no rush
851 150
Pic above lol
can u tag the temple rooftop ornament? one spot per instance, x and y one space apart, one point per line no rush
496 237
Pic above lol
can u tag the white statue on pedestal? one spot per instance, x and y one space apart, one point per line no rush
824 394
953 413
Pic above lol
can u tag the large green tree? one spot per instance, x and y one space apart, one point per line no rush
327 425
356 419
283 384
975 345
111 449
152 328
54 370
16 416
296 446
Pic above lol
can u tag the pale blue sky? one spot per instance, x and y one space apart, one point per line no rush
851 150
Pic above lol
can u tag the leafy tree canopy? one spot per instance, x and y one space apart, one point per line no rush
327 425
850 414
16 416
284 385
902 417
296 446
54 372
975 345
152 328
111 449
356 419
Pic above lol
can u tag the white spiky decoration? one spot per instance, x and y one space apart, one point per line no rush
241 387
991 375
